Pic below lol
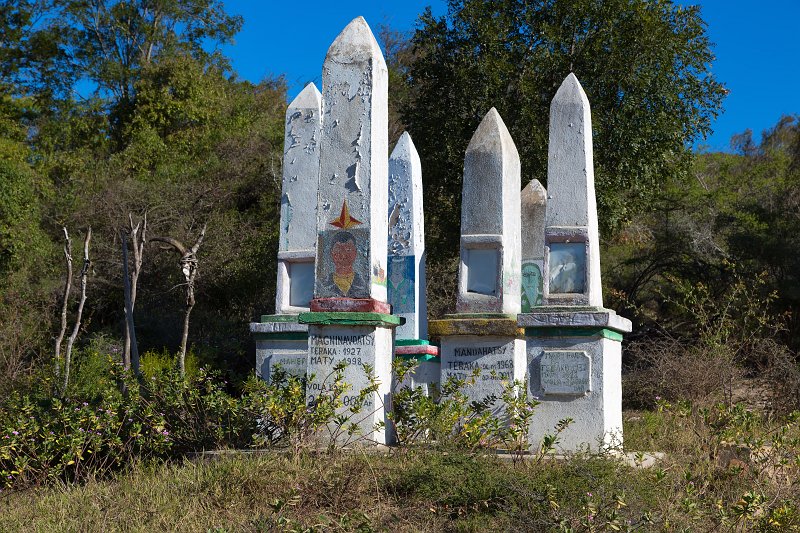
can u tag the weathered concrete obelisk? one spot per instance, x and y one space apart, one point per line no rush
483 335
406 278
280 339
573 343
534 200
349 322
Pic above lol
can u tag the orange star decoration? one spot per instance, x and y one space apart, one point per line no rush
345 221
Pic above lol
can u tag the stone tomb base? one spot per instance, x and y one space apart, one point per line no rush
353 340
574 369
491 347
280 340
427 372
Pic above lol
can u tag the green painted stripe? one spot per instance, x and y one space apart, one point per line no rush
411 342
351 319
419 357
574 332
281 336
278 318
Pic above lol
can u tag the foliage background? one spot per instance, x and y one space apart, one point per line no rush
116 108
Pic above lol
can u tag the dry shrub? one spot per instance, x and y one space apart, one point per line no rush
441 295
764 376
670 369
22 333
780 377
336 483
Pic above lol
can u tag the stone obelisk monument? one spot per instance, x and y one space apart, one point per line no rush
483 335
406 273
349 323
534 200
573 342
280 338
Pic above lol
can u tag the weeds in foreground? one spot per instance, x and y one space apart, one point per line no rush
727 467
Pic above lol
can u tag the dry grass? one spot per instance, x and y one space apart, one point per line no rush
232 493
412 490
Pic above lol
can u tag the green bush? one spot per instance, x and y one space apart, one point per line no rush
153 363
92 374
98 430
109 421
449 418
48 439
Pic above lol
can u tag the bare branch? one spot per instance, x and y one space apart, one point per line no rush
65 301
172 242
138 241
188 264
76 328
199 239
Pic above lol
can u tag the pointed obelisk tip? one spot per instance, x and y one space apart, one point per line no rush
571 90
356 42
493 115
308 98
491 127
534 193
404 149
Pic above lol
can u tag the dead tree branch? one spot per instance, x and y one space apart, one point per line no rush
188 265
65 302
138 240
79 316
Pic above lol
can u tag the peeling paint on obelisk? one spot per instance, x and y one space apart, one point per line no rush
534 200
406 278
280 339
489 271
349 326
298 229
572 248
351 216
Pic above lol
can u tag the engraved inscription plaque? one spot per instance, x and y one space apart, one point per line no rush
566 372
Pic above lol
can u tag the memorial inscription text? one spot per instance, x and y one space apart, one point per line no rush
565 372
327 351
494 363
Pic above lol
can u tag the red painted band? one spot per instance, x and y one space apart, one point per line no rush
428 349
347 305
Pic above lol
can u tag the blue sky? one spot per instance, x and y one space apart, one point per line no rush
756 44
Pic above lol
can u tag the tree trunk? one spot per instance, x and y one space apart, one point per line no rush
130 330
67 288
138 242
126 284
188 264
71 341
184 341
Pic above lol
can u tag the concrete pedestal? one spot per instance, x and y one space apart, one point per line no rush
490 345
361 342
280 340
427 373
574 360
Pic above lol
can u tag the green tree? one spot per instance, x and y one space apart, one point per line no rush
26 257
732 222
199 148
645 66
111 41
33 55
165 130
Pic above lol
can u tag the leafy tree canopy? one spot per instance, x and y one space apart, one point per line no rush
645 66
53 48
